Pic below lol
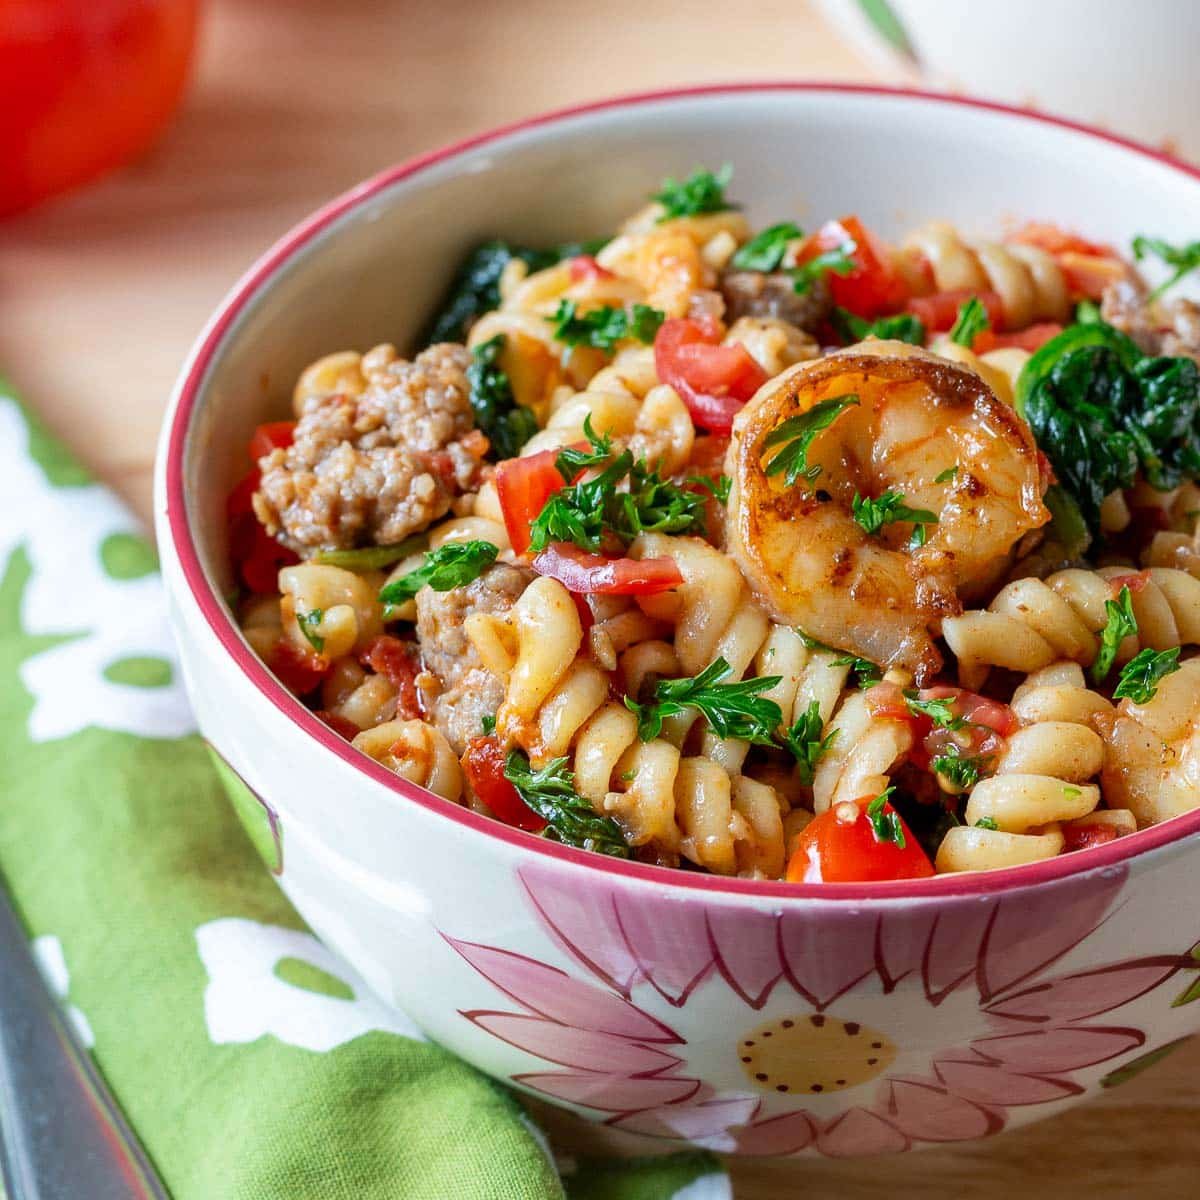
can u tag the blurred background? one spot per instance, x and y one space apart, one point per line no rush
284 103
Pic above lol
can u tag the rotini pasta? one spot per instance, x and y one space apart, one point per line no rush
643 562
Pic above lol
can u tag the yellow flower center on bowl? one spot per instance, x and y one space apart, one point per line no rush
813 1054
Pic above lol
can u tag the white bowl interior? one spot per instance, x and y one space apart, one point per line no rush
377 272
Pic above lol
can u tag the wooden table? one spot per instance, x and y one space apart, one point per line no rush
294 100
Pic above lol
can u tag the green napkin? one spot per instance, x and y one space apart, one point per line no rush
253 1064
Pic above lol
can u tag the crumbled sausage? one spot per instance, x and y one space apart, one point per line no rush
375 467
773 294
469 691
1170 328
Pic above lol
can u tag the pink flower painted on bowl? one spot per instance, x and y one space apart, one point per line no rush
823 1072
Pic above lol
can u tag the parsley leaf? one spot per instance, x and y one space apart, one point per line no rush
765 251
972 320
701 192
1183 259
947 475
550 792
719 487
571 461
866 672
886 824
1140 676
873 515
488 724
732 710
903 327
940 712
605 326
308 623
804 740
507 424
583 512
987 823
838 260
1120 624
961 771
452 565
796 435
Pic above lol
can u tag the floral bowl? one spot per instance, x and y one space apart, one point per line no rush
757 1018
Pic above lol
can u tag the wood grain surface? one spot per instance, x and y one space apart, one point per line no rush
294 100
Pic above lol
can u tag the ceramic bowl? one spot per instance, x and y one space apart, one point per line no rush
756 1018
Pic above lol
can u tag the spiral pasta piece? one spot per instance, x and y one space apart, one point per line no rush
1028 280
417 752
626 402
1032 623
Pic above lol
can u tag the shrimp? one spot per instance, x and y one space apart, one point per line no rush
918 425
1152 750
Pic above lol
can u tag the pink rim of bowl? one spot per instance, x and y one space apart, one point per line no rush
213 608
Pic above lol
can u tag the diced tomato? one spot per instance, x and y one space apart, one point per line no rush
340 725
587 618
841 846
274 435
398 662
299 671
239 501
483 765
257 555
523 486
988 721
874 286
593 574
1085 836
1135 582
714 381
939 311
585 267
1056 240
1031 338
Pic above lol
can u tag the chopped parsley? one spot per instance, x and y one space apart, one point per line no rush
1183 259
1120 624
885 821
584 512
873 515
867 674
1087 312
309 623
947 475
972 320
903 327
960 771
550 792
488 722
453 565
1141 675
603 327
987 823
701 192
765 251
796 435
1070 792
838 260
803 739
732 710
719 487
507 424
940 712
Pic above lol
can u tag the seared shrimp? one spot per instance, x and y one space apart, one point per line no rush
1152 750
914 424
